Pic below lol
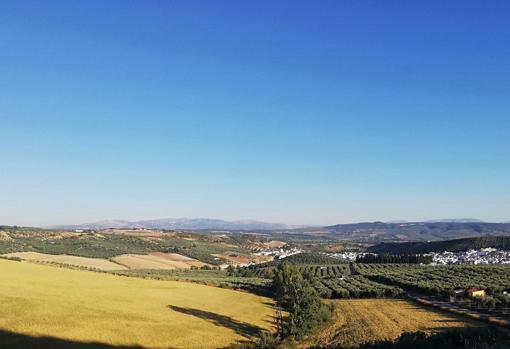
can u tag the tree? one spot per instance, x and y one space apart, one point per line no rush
295 292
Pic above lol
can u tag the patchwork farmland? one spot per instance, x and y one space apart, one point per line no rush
157 261
164 261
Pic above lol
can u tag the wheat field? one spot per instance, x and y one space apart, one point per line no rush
75 261
361 321
85 306
160 261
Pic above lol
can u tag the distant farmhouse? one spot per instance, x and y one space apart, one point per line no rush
475 292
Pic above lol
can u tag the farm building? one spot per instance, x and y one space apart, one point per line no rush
475 292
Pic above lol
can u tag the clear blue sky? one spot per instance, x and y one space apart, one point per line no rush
288 111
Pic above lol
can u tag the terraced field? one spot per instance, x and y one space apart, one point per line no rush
82 306
361 321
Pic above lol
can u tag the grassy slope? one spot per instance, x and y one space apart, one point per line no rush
87 306
360 321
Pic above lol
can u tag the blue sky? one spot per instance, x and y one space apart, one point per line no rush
289 111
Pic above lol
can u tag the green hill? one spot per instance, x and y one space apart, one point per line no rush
417 231
501 242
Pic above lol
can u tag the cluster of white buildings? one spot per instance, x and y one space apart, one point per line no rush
347 256
279 253
483 256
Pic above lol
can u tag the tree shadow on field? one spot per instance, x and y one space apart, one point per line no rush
12 340
242 328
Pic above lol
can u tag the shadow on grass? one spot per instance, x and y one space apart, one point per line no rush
242 328
11 340
270 304
458 321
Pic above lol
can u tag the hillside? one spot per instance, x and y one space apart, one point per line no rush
71 307
502 242
112 243
418 231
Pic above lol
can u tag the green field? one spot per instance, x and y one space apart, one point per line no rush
83 306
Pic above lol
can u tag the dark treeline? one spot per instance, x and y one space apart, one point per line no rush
484 338
501 242
396 259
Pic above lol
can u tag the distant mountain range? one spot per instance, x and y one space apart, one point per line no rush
444 220
374 232
455 220
417 231
182 224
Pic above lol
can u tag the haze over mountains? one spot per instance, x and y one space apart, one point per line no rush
394 231
182 224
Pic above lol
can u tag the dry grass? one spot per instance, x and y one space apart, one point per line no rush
95 263
138 261
361 321
4 236
163 261
242 259
275 244
175 257
41 300
155 260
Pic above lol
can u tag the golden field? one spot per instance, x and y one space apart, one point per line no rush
84 306
75 261
157 260
361 321
153 260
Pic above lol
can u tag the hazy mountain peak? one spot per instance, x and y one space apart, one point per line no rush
455 220
181 224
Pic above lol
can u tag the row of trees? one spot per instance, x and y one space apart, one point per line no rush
441 280
358 286
396 259
319 271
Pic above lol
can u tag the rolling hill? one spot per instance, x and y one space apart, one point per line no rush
501 242
417 231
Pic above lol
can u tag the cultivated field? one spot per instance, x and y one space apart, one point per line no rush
190 262
154 260
240 259
39 300
361 321
163 261
84 262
